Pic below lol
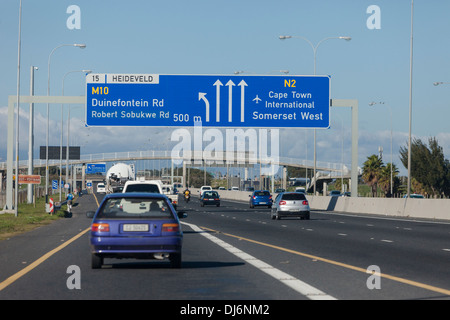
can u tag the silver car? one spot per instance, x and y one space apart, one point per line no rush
290 204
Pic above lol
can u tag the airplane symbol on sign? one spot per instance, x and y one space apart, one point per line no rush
257 99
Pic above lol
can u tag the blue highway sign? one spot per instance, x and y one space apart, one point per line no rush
215 100
95 168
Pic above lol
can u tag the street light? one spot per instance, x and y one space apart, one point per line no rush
30 188
284 37
408 191
81 46
61 144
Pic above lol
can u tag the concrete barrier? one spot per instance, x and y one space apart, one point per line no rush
394 207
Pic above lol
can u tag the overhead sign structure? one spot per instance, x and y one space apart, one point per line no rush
215 100
54 153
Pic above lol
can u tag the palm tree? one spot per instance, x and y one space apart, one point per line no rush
372 172
385 178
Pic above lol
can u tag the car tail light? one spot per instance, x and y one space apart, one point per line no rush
216 199
254 197
305 202
281 203
170 227
100 227
270 197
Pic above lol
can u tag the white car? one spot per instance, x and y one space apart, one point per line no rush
101 188
205 188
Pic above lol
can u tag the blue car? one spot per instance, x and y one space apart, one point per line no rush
260 198
136 225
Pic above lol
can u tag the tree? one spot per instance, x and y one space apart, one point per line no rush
197 178
372 172
428 166
385 179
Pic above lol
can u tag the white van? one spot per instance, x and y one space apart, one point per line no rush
205 188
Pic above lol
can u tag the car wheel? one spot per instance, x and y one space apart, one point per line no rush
96 261
277 216
175 260
218 205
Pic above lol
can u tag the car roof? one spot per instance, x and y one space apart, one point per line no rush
136 195
292 192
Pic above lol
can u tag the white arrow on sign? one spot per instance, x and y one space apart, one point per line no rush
218 84
242 84
230 84
202 96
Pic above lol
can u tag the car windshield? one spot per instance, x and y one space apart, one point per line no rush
144 187
294 196
135 208
262 193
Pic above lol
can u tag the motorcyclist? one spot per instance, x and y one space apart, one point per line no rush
187 194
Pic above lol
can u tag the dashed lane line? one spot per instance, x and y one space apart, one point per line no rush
301 287
337 263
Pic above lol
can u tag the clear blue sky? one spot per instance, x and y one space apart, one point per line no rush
220 37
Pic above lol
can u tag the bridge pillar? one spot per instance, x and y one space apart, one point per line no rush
354 173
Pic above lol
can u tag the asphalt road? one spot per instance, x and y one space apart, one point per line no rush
234 253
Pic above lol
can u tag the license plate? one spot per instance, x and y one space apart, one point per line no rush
263 202
135 227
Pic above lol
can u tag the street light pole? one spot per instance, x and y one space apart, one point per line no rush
18 109
61 145
81 46
315 53
410 101
31 137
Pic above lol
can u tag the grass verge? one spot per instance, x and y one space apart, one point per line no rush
29 217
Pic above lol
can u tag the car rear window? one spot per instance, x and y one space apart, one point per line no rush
211 194
144 187
262 193
294 196
135 208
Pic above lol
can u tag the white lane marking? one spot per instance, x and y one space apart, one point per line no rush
302 287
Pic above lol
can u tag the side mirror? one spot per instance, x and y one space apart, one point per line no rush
182 214
90 214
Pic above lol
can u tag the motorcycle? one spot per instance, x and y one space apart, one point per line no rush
187 197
